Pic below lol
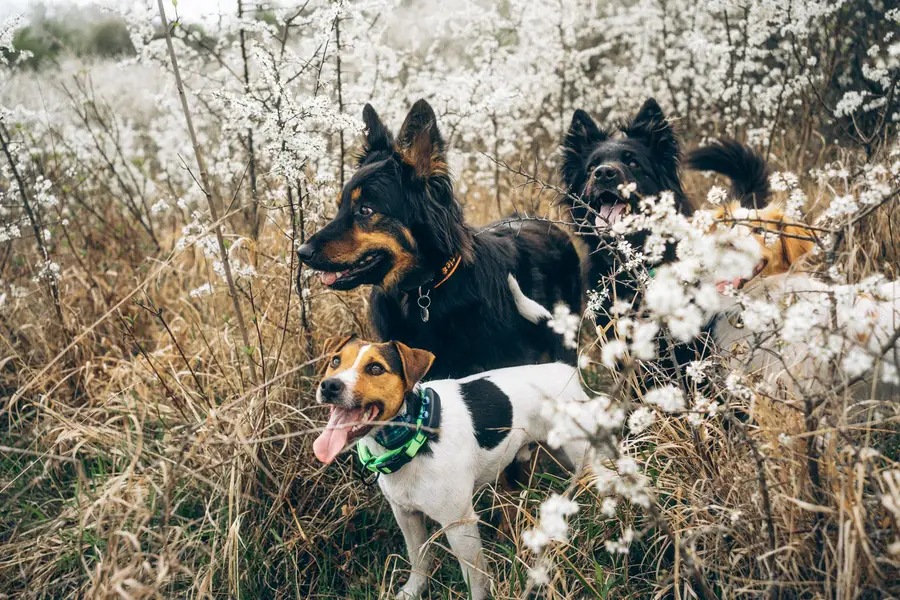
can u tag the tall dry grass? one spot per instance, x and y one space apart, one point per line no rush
139 460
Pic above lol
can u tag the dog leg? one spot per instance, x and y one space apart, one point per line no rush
412 524
466 544
572 455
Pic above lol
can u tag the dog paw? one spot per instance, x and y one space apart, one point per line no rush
408 594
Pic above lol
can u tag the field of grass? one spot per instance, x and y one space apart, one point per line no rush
157 415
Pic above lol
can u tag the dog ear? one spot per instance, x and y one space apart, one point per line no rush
335 343
415 363
651 126
420 142
583 133
378 137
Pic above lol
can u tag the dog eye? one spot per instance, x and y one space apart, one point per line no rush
366 211
632 164
335 362
759 230
375 369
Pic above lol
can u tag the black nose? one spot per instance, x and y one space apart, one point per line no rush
332 388
306 252
606 174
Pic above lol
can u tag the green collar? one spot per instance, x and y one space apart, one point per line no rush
404 442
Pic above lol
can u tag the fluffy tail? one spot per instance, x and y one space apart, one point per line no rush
747 169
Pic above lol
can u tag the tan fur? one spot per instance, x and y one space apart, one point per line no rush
423 155
416 363
787 251
355 194
387 389
356 243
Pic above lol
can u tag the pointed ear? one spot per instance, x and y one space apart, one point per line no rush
582 132
415 363
420 142
378 137
651 125
335 343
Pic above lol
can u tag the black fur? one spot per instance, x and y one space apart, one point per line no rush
645 151
490 409
646 154
747 169
474 324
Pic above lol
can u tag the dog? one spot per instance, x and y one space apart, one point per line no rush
433 444
839 323
478 299
606 174
598 168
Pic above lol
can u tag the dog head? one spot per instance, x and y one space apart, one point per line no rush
365 384
782 241
398 221
598 163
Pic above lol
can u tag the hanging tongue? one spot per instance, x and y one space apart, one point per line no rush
331 441
608 214
735 283
328 278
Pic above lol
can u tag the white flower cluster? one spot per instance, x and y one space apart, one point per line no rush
565 323
552 525
575 420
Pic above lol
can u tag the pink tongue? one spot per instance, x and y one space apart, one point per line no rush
609 214
331 441
328 278
720 285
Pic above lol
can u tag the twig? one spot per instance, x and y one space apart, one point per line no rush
207 191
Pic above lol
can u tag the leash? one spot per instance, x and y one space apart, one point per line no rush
402 442
424 300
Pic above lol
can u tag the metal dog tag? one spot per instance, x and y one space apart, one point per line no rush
424 302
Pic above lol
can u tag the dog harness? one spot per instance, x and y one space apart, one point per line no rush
403 441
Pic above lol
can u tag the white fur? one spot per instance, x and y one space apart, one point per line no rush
441 485
349 377
527 307
865 321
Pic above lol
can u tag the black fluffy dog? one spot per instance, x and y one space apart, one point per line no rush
599 165
478 300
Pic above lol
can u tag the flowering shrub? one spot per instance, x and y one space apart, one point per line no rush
156 380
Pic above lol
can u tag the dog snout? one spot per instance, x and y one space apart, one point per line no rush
606 174
306 252
331 389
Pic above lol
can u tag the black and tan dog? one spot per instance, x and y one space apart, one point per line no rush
478 300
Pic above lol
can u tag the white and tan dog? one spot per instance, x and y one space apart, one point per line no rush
435 443
839 321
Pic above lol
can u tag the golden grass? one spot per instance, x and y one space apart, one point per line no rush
143 464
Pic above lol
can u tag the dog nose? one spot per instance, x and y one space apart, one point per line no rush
605 173
306 252
332 388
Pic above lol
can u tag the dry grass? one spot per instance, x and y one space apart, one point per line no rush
138 461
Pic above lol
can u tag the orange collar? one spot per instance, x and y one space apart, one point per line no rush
448 270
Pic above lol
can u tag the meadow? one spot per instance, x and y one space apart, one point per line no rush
159 351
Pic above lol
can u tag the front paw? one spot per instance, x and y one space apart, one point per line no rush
408 593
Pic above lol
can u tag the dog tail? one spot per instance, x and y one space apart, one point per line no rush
747 169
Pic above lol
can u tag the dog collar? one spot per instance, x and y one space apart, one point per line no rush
448 270
401 441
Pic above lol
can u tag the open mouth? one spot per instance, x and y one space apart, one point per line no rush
740 282
345 426
610 207
350 277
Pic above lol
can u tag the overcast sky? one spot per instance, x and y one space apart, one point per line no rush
190 9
